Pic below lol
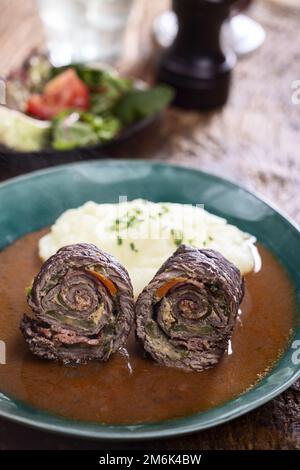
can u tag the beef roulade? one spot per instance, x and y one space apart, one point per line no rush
186 314
82 303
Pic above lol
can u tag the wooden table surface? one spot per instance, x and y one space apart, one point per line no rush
255 140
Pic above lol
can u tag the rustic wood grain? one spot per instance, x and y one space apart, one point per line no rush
253 140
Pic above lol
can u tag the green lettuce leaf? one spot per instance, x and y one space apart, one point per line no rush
73 129
140 104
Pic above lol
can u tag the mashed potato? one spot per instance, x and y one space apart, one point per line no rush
143 234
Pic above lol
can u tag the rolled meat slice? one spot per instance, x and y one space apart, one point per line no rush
83 307
186 314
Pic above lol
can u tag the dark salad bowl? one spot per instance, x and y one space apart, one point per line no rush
116 109
14 162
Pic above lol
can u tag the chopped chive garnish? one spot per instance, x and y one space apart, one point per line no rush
28 290
131 220
127 221
132 246
177 237
165 209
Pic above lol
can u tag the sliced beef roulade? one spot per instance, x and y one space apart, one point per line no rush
186 314
82 303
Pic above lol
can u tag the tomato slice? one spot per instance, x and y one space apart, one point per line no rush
62 92
38 107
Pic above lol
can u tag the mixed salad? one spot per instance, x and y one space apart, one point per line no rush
74 106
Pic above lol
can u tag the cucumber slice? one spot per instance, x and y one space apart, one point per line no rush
21 132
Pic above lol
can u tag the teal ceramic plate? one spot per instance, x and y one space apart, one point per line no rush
31 202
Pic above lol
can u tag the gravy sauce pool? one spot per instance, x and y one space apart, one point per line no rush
135 389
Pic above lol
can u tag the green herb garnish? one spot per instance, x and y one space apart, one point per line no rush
71 129
140 104
133 248
28 290
163 210
177 236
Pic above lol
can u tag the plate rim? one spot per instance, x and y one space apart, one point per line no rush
159 163
82 429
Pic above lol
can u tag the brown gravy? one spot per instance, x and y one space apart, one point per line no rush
137 390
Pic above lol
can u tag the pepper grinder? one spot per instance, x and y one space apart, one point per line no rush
195 65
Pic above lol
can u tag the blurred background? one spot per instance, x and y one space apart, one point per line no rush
254 138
